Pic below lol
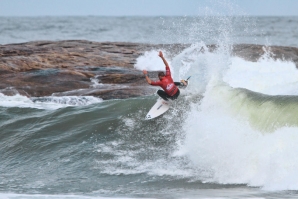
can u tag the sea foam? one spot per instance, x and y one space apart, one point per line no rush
223 138
51 102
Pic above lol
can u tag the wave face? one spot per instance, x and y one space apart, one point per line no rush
105 148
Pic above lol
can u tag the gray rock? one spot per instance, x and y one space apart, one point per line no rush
44 68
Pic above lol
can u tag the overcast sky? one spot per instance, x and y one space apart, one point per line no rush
147 7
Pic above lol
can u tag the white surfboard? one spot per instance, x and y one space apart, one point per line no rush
160 107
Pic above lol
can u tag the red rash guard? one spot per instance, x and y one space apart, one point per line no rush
167 83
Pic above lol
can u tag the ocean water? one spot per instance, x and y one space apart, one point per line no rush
156 30
232 133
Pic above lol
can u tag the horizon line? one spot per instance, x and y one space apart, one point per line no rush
148 16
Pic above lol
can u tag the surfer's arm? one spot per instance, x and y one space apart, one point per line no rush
146 76
163 59
156 83
168 71
181 83
178 83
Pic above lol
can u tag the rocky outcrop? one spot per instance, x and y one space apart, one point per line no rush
46 68
254 52
105 69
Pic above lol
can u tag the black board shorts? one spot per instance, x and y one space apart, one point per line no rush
166 97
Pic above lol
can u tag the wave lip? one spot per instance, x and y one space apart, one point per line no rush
267 76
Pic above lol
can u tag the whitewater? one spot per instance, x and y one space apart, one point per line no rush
243 130
231 134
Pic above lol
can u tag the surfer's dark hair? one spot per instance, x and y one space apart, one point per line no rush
161 74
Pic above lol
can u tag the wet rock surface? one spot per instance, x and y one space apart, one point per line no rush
101 69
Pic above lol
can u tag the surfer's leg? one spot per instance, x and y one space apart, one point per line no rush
176 95
178 83
163 95
181 84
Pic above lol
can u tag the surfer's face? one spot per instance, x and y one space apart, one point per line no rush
161 77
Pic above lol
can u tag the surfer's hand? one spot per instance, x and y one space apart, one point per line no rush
160 54
145 72
183 82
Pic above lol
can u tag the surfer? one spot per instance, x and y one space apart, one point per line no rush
170 89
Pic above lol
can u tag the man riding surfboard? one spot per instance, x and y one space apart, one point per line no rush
170 89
